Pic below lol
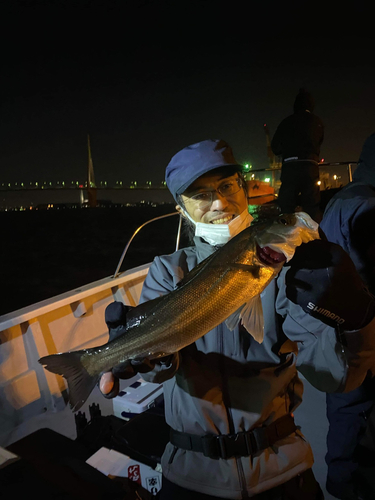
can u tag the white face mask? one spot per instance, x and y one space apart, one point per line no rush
219 234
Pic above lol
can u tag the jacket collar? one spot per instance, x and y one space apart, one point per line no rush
204 249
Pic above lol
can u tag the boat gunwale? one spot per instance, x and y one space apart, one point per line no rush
27 313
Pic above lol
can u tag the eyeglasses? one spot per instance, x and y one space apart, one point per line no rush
204 199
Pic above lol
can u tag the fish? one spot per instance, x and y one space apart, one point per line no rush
222 288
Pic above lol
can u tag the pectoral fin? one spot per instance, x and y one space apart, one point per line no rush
233 320
251 317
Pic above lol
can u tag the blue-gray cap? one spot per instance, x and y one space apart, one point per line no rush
195 160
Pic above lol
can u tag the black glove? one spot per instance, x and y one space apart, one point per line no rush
322 280
115 318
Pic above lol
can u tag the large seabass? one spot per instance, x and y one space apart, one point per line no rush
219 289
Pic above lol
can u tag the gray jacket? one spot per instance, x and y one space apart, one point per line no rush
226 383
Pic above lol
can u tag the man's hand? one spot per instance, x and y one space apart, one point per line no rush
322 280
109 385
109 381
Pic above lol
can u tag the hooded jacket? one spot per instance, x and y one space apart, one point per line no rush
349 217
301 134
226 383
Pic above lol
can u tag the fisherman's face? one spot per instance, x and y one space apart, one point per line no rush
207 199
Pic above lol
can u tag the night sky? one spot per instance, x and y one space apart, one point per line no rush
146 78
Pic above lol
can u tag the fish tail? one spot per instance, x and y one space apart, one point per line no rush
69 365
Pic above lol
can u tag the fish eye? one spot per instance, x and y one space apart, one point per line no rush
283 221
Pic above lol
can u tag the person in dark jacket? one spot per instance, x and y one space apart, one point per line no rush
349 220
297 140
229 398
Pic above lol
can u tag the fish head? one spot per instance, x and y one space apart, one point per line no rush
277 241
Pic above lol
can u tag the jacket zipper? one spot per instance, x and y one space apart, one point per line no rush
226 398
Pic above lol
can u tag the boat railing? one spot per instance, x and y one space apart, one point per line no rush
331 174
116 273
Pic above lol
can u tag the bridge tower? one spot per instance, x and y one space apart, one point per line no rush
91 186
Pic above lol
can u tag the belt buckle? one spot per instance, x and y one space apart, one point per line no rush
233 445
210 446
222 446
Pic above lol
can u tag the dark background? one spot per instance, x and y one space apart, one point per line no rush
47 253
146 78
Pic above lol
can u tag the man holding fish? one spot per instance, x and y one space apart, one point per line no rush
225 324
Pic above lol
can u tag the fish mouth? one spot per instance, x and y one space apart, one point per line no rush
270 257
